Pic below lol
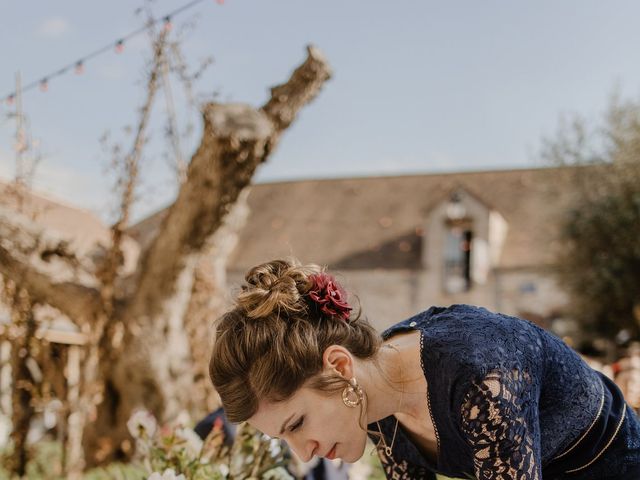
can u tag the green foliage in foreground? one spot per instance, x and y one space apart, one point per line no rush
46 466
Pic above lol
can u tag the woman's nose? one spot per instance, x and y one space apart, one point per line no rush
304 449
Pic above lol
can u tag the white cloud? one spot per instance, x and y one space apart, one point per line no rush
53 27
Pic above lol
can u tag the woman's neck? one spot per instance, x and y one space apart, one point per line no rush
405 389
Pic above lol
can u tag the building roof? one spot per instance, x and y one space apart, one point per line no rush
84 227
378 222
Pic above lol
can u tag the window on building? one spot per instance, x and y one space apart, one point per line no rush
457 256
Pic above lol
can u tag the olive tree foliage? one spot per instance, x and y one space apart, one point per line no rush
598 260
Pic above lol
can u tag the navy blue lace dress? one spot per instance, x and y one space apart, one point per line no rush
509 400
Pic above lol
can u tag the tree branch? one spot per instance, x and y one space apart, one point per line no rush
236 139
303 86
46 265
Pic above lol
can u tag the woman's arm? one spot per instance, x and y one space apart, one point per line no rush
499 419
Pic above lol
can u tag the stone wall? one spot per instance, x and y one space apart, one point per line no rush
388 296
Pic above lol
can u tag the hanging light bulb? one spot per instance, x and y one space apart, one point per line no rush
44 85
119 46
167 23
79 69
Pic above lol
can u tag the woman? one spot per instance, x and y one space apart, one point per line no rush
459 391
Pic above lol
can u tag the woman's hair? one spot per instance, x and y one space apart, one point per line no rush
272 342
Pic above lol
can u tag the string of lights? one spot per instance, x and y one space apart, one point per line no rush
117 45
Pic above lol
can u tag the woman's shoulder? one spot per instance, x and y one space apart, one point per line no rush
473 335
464 318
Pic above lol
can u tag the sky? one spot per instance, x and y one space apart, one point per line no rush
419 86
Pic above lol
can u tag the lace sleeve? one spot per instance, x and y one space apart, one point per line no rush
499 420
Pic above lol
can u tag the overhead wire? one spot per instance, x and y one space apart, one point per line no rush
79 64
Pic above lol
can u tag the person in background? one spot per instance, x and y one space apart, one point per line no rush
219 419
626 374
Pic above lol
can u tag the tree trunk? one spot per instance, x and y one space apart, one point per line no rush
22 383
154 366
146 347
208 302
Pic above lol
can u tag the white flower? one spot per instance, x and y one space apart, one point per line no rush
169 474
194 442
223 468
142 424
278 473
274 447
360 470
300 468
181 419
143 447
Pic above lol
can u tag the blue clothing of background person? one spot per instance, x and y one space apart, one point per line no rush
204 426
509 400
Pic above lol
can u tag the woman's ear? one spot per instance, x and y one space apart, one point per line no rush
337 360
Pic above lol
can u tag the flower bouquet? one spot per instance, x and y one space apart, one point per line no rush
178 453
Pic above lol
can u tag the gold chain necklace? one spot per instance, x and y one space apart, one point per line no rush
389 449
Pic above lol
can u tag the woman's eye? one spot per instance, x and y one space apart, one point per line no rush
297 425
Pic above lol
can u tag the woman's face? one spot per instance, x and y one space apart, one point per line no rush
312 424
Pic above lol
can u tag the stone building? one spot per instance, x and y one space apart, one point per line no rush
399 243
404 243
61 339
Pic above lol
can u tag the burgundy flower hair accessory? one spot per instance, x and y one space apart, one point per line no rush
329 296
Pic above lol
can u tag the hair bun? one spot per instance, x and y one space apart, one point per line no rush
267 274
276 287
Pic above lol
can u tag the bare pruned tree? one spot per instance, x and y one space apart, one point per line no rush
140 350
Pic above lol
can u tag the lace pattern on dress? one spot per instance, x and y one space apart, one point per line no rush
499 428
402 470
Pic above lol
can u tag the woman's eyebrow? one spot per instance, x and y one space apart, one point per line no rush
285 424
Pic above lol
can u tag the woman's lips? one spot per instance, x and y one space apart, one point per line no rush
332 453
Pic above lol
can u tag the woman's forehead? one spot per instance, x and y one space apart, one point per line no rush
271 416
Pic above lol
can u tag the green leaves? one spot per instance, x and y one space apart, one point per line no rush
599 260
174 451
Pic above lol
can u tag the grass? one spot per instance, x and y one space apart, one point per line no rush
46 465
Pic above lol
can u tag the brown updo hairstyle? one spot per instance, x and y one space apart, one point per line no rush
271 343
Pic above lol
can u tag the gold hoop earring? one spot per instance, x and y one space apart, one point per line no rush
352 389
